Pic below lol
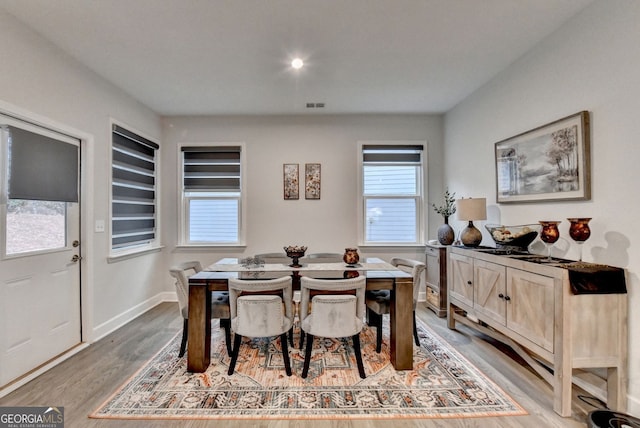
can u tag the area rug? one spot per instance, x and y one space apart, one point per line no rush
443 384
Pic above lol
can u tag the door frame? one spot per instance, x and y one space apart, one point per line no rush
87 215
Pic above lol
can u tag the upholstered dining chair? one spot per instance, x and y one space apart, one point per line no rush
325 257
274 257
379 301
260 312
219 302
333 313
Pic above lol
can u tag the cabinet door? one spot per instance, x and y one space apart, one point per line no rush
531 309
461 286
490 290
433 268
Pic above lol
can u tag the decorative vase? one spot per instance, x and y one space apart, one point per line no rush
351 256
446 235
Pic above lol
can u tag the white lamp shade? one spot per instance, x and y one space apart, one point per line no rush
471 209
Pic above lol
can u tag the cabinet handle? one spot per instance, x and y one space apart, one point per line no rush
507 298
501 296
468 282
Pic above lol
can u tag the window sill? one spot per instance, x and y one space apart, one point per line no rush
114 258
187 248
382 246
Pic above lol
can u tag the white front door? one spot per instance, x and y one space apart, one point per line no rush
40 313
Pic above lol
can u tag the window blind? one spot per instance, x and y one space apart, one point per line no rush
133 220
392 193
392 153
41 168
211 168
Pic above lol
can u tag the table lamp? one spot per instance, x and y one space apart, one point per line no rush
469 210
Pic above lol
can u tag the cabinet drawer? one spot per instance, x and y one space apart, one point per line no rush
432 251
433 297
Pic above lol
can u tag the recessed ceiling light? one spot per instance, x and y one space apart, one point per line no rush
297 63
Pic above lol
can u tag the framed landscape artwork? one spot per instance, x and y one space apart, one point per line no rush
291 181
312 181
549 163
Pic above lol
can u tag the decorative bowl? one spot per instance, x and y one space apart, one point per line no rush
513 236
295 252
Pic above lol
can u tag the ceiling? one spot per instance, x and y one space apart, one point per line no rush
207 57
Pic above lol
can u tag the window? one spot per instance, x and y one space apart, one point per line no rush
133 190
392 191
211 195
37 204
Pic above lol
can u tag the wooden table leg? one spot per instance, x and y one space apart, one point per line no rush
401 318
199 339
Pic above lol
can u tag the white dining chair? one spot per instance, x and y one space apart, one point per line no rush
379 301
266 312
219 302
332 315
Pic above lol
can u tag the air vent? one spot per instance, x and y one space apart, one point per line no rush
315 105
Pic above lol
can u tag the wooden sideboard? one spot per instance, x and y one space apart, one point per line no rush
436 279
567 338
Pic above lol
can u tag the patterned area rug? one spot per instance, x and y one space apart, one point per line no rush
443 384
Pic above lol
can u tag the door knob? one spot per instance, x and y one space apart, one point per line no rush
76 243
76 258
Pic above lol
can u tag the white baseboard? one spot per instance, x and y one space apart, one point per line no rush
120 320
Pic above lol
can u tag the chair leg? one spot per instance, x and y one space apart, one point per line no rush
226 324
234 356
307 356
358 352
375 320
291 336
301 339
415 330
285 353
185 334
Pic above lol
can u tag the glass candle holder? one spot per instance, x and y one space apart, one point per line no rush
579 231
549 234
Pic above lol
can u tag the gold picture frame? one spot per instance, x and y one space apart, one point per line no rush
312 181
291 173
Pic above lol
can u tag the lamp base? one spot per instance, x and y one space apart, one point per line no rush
470 236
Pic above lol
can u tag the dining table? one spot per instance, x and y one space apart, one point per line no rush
380 275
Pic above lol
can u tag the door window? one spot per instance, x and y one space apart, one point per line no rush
35 226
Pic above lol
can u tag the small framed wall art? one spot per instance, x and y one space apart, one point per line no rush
312 181
291 181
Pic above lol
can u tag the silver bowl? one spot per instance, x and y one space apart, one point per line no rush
519 236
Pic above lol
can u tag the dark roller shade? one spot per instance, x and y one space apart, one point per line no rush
42 168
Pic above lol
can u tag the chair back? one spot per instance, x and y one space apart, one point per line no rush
181 272
274 258
334 315
413 267
325 257
262 313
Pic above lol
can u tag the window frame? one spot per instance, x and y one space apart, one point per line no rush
184 214
420 197
155 243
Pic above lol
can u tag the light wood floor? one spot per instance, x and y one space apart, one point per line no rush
86 380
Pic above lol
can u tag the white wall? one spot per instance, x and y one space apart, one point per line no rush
39 79
592 64
325 225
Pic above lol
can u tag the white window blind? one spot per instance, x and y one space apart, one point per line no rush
392 193
133 187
